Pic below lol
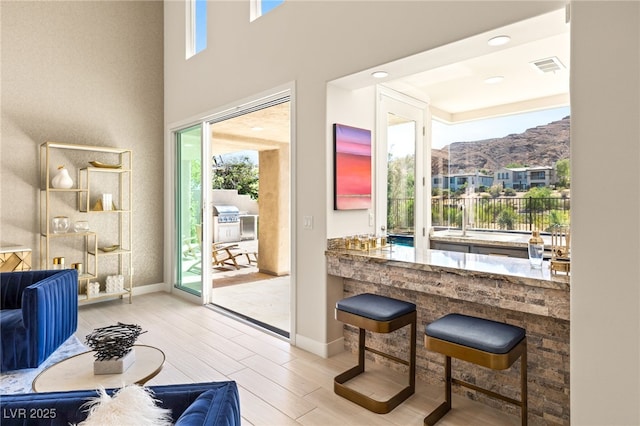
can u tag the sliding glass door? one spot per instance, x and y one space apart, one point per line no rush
189 210
232 211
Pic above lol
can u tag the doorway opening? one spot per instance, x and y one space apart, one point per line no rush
250 196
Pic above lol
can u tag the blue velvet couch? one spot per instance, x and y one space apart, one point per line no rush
215 403
39 311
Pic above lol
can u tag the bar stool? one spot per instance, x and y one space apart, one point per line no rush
377 314
483 342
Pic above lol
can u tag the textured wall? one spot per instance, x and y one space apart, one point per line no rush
86 73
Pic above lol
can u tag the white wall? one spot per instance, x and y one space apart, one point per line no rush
312 43
357 109
605 282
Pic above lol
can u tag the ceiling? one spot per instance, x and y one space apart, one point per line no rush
260 130
451 78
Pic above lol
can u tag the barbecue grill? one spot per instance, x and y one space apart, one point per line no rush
226 224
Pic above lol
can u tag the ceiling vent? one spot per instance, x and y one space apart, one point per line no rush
548 65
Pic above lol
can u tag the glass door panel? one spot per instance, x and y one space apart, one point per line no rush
401 175
189 224
401 179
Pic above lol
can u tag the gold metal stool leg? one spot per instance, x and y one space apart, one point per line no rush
445 407
523 387
485 359
380 407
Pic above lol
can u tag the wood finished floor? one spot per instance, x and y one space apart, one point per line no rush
278 384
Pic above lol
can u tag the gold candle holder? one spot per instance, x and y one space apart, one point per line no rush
58 263
78 267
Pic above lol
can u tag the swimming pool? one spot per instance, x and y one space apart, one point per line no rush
401 240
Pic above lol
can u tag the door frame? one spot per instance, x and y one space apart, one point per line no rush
204 119
390 101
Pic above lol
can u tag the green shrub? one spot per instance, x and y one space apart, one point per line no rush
507 218
558 218
495 191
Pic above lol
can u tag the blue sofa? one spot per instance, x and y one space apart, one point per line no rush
39 311
191 404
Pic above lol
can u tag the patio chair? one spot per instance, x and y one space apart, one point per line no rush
252 256
223 256
191 250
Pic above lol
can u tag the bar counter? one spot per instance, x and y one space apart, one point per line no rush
494 287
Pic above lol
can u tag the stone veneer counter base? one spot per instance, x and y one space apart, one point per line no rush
498 288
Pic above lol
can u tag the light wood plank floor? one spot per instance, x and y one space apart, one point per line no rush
279 384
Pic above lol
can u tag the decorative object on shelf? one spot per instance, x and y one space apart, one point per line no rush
105 166
60 224
81 226
107 202
62 180
560 249
78 267
536 249
115 284
98 206
58 263
93 289
113 346
107 249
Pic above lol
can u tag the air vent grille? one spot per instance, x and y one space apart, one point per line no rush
548 65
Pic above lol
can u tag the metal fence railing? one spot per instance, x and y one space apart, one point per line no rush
501 213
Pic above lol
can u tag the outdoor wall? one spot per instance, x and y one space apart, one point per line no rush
85 73
274 245
311 43
243 202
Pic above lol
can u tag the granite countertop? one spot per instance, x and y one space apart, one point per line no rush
513 270
487 238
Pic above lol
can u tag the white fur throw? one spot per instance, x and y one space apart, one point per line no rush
131 405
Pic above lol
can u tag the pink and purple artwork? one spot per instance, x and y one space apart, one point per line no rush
352 168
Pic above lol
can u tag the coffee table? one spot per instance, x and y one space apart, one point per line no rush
76 372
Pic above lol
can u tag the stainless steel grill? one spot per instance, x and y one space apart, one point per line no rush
226 223
226 214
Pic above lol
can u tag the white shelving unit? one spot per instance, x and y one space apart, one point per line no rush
106 249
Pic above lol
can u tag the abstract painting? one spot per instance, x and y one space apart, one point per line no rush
352 168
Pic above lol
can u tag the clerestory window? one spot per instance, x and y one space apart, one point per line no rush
262 7
196 27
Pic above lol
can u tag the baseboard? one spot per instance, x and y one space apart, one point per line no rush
149 288
325 350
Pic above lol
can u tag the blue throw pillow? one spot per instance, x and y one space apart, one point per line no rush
198 412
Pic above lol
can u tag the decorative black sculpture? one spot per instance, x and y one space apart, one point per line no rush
113 341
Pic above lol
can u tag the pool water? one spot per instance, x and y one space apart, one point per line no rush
401 240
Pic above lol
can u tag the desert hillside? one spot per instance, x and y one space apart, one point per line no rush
539 146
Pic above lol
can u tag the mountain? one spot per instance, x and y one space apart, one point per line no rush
539 146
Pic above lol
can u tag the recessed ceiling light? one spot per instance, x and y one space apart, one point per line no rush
257 128
499 40
379 74
494 80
